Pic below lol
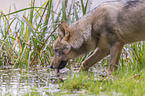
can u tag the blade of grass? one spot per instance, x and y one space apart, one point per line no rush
8 28
75 12
29 59
21 10
40 9
42 16
47 16
8 52
132 60
57 6
20 58
64 10
84 8
20 46
30 25
14 45
32 10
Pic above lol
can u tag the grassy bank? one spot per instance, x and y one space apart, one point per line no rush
120 83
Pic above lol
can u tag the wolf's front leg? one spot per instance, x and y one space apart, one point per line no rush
115 51
99 54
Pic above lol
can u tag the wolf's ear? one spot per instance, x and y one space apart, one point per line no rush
64 30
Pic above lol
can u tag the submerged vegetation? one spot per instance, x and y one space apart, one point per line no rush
26 39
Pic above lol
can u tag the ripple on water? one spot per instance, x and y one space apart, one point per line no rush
16 82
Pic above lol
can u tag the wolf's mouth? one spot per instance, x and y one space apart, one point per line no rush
62 64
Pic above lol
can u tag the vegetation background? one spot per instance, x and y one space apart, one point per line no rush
26 42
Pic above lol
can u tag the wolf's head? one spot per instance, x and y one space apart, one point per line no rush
62 49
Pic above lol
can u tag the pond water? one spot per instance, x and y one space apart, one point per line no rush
16 82
36 82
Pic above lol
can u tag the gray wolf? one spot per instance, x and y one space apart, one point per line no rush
106 29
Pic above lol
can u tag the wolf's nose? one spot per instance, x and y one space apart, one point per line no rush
51 66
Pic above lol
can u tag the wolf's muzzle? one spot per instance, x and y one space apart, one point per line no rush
60 66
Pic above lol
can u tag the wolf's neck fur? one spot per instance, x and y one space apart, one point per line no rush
80 32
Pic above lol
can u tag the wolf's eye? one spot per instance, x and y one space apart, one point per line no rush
61 53
58 52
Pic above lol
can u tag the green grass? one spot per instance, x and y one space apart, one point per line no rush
120 83
26 41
